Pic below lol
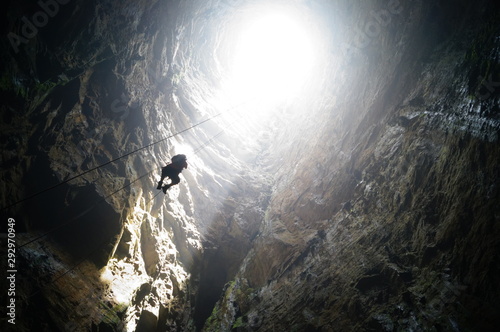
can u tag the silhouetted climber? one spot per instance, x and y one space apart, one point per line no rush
172 171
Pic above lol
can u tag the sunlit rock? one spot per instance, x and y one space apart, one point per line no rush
356 191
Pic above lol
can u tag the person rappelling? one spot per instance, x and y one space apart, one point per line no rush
172 171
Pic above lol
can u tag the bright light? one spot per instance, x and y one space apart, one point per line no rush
269 58
272 56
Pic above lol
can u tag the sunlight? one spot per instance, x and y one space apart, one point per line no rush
268 59
272 56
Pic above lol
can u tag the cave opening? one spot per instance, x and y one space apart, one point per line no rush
269 60
347 178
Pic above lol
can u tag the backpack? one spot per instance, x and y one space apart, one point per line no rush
179 158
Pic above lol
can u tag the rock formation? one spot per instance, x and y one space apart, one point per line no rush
370 204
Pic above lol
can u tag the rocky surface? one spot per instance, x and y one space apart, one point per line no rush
371 205
396 228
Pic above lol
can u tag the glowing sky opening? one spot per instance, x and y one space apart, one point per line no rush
271 56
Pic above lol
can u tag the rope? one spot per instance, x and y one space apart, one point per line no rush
83 213
98 247
201 147
116 159
204 145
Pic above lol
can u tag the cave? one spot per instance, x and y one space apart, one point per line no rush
343 165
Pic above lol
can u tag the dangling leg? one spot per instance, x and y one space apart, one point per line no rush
165 188
174 180
160 182
163 175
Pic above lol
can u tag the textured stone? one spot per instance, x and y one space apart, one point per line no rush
372 206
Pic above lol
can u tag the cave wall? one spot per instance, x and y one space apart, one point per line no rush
106 251
103 251
371 207
388 220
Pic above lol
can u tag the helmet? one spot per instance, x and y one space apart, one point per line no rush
179 158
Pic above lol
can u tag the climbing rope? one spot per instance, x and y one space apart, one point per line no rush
118 158
98 247
201 147
103 199
209 141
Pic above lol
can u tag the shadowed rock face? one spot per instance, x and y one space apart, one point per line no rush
373 207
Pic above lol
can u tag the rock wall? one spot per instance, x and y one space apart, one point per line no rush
370 207
91 86
388 220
